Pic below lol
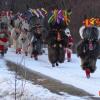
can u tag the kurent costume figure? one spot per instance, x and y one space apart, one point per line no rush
88 48
57 39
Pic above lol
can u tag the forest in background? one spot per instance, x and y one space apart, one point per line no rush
80 9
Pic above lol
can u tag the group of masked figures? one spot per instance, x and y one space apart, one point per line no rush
27 33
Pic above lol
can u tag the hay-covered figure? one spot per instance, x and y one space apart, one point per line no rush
4 31
57 39
89 48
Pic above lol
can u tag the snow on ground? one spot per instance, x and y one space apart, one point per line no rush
68 72
25 89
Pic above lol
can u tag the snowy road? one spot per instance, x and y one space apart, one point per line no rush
67 73
25 90
47 82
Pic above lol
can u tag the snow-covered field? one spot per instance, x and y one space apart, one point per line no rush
69 72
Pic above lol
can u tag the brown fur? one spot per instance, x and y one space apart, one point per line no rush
88 58
52 55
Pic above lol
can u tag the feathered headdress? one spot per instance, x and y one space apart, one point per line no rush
59 17
91 22
40 12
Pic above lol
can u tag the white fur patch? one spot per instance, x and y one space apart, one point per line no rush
99 32
67 30
25 25
81 31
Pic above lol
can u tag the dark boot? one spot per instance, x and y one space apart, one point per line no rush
2 54
35 57
26 53
31 56
57 64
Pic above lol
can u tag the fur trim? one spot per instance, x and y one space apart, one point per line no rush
81 31
99 32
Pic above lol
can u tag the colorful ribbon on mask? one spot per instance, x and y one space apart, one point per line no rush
59 16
